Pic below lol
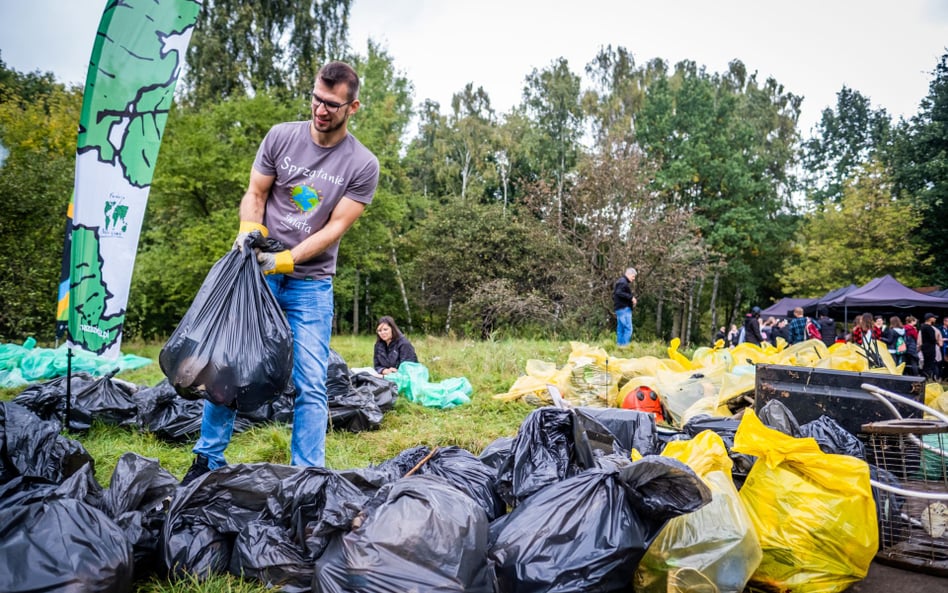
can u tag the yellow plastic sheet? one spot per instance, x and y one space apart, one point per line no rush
813 511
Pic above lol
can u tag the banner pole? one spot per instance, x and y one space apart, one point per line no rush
68 387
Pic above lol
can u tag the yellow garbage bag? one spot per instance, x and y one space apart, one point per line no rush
679 390
533 385
716 545
593 379
813 511
706 357
735 385
677 356
807 353
936 398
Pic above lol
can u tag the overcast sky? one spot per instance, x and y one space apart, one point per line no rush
886 49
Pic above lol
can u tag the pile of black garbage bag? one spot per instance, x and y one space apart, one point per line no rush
559 507
357 402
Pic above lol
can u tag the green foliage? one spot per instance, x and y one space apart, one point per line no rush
486 270
920 171
725 144
846 138
240 48
39 131
552 102
867 235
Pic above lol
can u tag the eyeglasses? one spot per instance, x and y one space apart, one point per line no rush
331 106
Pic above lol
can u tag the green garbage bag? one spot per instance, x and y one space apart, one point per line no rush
12 354
411 379
935 456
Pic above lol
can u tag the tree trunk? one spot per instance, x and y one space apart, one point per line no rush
447 320
686 330
697 307
401 282
714 300
355 304
658 313
737 304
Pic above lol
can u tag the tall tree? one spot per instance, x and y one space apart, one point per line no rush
243 47
470 136
615 218
619 90
725 147
37 162
920 170
866 235
369 264
846 138
552 101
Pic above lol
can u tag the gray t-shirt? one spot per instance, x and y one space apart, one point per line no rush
309 182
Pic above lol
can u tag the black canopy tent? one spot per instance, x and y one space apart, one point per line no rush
784 307
885 295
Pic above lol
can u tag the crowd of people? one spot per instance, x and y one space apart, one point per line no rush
923 347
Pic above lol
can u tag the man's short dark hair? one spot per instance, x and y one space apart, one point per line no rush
335 73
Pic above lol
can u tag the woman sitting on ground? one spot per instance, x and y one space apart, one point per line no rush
392 348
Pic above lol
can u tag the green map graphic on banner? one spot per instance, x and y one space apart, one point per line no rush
136 59
134 83
89 295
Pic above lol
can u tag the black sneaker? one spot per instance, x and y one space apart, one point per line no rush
197 469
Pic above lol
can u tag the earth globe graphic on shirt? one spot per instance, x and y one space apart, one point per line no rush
305 197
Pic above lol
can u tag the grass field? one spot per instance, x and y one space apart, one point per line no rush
490 366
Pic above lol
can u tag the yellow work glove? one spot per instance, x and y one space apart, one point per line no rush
246 227
280 262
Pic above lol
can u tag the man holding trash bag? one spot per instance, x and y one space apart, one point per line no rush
310 181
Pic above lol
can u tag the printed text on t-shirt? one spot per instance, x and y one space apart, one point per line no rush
311 173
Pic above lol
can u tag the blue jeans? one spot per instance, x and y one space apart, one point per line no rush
308 306
624 326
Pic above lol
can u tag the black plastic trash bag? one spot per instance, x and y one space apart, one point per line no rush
348 409
381 389
463 470
307 510
48 400
589 532
779 417
135 500
632 429
51 539
426 535
833 438
167 416
33 447
260 520
496 452
552 444
356 400
109 401
234 346
370 479
103 399
206 515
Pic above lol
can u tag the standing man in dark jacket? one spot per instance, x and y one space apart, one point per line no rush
623 301
752 327
827 327
930 341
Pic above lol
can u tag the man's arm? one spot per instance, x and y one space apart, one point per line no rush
254 202
343 216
